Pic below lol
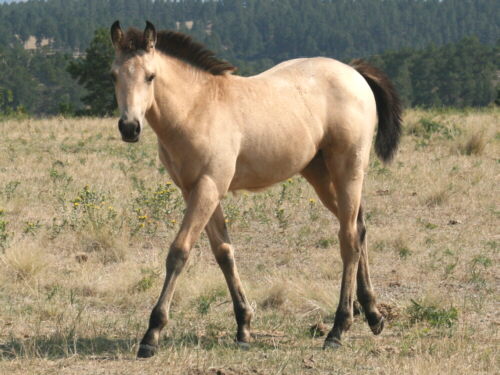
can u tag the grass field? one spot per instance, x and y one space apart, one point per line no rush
86 220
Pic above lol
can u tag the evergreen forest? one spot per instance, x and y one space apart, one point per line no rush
438 52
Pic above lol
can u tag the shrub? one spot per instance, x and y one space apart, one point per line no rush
432 314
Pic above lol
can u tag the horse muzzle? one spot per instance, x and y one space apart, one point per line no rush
130 130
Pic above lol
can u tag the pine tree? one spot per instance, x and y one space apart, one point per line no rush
92 72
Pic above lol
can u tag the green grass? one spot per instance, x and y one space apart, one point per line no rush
432 314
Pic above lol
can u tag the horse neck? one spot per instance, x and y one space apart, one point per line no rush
179 90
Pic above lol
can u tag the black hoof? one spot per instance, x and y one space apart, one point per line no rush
378 327
146 351
332 344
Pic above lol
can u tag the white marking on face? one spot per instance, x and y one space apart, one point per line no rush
131 69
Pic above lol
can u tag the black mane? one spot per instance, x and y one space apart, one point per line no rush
181 46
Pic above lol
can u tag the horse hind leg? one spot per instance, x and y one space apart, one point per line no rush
347 172
366 296
318 175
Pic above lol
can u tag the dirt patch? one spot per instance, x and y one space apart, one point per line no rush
389 312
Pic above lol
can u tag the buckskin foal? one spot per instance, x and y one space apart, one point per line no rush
218 132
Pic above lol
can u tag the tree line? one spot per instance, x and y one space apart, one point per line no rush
256 29
443 52
462 74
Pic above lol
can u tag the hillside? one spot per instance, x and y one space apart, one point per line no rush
252 34
257 29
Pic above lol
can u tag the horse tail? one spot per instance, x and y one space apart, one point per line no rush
388 109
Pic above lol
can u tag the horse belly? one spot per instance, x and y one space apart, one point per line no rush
271 159
283 123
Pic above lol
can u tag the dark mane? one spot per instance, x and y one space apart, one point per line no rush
178 45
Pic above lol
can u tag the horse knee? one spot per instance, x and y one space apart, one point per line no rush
177 256
224 255
349 243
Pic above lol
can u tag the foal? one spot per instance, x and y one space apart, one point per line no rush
218 132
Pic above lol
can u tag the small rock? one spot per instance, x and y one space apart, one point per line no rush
454 222
309 362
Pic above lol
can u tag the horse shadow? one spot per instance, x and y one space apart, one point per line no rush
57 347
107 348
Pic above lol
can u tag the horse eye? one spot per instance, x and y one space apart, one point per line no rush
113 76
150 77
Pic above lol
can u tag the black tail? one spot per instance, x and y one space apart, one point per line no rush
388 109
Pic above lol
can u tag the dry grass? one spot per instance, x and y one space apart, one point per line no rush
438 197
85 221
23 261
276 296
474 145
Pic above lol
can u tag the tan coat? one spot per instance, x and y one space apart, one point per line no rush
218 132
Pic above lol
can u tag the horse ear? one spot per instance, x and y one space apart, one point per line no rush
149 36
116 34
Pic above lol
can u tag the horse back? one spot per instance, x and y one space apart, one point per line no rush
285 115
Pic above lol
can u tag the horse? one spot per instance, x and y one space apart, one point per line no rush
218 132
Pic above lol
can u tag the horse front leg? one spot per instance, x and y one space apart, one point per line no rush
201 203
224 254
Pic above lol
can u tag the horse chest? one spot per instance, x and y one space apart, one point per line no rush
183 169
